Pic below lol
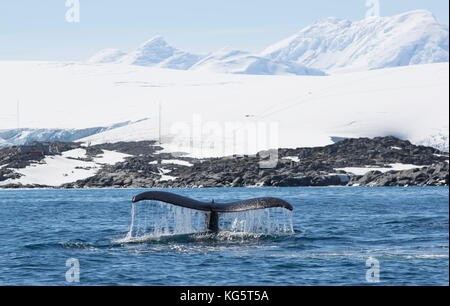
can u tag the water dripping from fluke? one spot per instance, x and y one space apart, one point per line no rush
164 215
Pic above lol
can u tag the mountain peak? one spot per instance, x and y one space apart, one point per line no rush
156 41
150 53
333 44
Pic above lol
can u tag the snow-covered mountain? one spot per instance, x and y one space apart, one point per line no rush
415 37
158 53
155 52
330 45
239 62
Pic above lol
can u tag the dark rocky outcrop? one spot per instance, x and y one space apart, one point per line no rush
315 167
134 172
135 148
296 167
434 175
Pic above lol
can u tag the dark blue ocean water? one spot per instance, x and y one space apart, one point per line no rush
336 230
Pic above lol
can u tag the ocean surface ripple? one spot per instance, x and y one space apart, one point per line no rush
334 232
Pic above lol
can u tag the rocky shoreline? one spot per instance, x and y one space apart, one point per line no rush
333 165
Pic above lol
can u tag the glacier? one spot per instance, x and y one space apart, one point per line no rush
20 136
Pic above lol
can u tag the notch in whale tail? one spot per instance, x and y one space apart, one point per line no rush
212 209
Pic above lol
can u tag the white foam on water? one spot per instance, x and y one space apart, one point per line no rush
153 219
130 231
264 221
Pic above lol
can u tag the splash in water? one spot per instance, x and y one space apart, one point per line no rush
157 219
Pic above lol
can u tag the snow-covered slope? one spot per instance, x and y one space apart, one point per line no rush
332 44
235 61
107 56
142 130
409 102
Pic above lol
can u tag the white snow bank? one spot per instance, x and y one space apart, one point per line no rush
56 170
364 170
66 168
107 157
293 158
164 177
110 157
75 153
177 162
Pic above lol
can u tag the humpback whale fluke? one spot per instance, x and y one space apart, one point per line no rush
212 209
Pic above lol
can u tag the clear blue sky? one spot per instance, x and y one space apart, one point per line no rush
38 30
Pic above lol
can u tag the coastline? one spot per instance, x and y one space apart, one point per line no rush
206 188
381 161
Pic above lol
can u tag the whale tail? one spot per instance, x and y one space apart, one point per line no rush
212 209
